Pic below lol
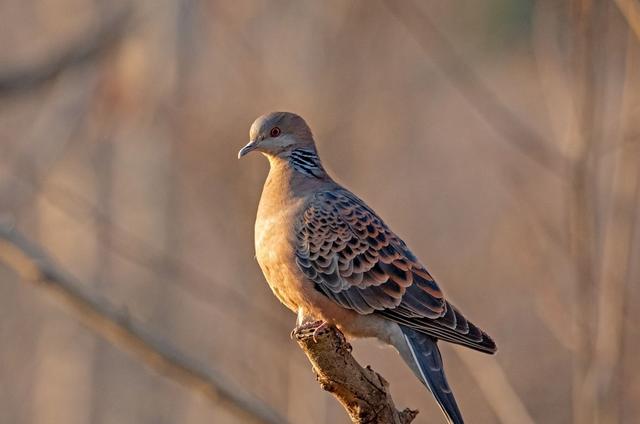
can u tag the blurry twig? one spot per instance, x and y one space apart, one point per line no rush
553 315
52 133
552 70
135 250
580 202
549 308
362 392
501 395
626 370
617 248
115 325
630 9
495 385
485 102
87 48
613 290
629 141
131 248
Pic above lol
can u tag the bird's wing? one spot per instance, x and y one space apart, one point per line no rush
357 261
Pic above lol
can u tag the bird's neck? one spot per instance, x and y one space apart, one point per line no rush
295 174
307 162
302 161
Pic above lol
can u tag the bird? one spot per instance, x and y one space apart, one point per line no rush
333 261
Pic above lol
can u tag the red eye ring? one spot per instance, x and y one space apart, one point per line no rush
275 131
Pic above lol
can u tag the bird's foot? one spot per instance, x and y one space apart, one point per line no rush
318 330
313 327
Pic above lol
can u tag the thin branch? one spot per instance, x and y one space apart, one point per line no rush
495 385
114 325
580 201
363 393
630 9
133 249
484 101
617 248
86 49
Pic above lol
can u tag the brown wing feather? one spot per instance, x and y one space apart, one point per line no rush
357 261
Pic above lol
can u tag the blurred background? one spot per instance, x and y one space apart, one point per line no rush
499 138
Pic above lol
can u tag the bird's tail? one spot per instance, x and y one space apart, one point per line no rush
425 361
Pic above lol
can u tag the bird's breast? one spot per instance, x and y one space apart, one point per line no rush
275 250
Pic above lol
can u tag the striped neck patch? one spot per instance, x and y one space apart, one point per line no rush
307 162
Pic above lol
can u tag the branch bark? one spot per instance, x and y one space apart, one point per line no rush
363 393
116 326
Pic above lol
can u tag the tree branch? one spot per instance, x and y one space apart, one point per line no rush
115 325
85 50
479 96
631 12
361 391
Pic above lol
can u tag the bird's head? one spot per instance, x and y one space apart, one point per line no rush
277 133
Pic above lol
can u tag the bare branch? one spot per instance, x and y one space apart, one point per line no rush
115 326
631 12
484 101
362 391
617 248
580 201
124 243
86 49
500 394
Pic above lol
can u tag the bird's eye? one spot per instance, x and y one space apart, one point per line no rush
275 131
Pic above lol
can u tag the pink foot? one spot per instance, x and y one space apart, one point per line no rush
315 326
322 326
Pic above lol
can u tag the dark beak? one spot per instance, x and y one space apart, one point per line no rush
248 148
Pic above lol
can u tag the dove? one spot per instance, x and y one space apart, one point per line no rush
329 258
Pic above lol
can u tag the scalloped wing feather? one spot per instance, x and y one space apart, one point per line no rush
357 261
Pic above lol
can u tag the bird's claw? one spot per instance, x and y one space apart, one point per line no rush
315 327
318 329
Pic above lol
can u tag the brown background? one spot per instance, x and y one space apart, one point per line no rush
502 146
